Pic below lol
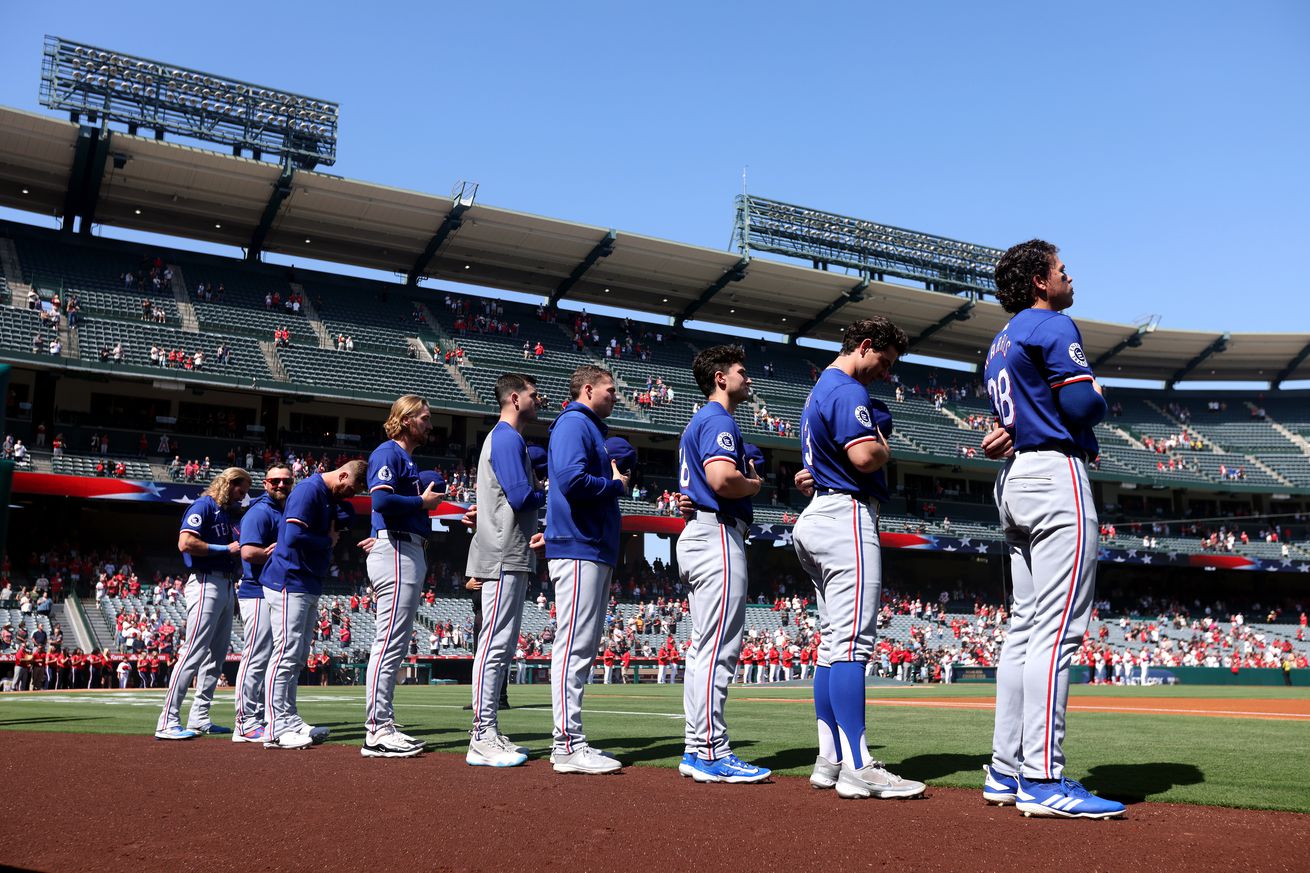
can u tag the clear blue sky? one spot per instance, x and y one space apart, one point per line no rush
1161 145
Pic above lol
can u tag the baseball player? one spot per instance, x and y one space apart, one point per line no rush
501 560
582 550
844 447
209 547
1044 394
714 473
293 581
397 565
259 528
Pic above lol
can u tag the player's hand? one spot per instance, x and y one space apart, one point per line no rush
686 506
753 475
538 544
804 481
431 498
234 548
268 550
367 544
473 584
470 518
998 444
614 466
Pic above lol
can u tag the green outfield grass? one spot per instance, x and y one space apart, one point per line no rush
1239 762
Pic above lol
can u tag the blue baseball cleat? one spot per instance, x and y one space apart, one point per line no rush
997 787
1063 799
687 764
727 769
215 729
176 732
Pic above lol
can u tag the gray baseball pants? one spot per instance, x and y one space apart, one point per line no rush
396 569
208 630
712 557
502 614
836 539
581 592
255 654
290 642
1050 525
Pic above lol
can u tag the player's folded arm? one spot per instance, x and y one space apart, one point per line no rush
1080 403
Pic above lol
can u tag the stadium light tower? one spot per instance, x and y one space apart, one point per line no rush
97 84
825 239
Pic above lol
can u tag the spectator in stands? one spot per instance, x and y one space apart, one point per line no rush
21 458
117 353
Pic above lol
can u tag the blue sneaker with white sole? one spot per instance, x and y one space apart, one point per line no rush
729 768
997 787
687 764
214 729
176 732
1064 798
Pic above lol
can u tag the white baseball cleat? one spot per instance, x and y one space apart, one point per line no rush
585 760
509 745
389 744
289 740
316 734
492 752
873 780
825 773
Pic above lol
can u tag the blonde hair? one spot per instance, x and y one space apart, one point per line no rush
406 405
221 487
358 471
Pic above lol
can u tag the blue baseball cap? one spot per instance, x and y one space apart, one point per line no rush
344 514
537 455
751 452
621 453
433 478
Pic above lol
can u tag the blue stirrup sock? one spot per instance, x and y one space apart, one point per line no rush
846 694
829 750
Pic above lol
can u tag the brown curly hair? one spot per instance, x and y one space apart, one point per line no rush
1016 270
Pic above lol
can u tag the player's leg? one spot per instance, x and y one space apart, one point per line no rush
1008 731
810 530
397 572
200 605
502 615
219 643
699 560
254 665
581 588
1064 577
275 602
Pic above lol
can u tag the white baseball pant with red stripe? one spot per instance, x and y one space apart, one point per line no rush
836 540
208 626
582 590
1050 525
712 559
288 626
502 615
255 653
396 569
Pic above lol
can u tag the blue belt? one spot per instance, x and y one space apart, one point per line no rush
403 536
722 518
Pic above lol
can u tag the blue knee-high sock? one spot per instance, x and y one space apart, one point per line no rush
829 749
846 691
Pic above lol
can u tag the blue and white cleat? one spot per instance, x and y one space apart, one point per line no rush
176 732
729 768
1063 799
254 735
687 764
997 787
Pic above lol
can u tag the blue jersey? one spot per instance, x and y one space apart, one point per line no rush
1034 355
839 414
712 436
390 468
582 506
258 528
304 546
210 522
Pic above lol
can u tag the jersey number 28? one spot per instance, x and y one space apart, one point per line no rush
1002 402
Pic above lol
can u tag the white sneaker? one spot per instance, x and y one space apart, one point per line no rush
510 746
585 760
389 744
316 734
413 741
873 780
825 773
492 752
289 740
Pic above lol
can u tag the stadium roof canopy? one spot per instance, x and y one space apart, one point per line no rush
163 187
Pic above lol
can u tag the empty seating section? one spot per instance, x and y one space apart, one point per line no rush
381 376
22 331
77 465
247 361
241 309
372 314
92 275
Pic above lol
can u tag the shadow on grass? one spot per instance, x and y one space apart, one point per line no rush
792 759
1133 783
15 722
926 768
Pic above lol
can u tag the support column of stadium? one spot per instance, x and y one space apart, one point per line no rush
854 295
1287 371
1219 345
281 191
90 154
451 223
185 310
602 249
1132 341
735 273
963 313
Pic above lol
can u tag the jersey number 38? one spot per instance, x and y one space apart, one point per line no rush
1002 402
